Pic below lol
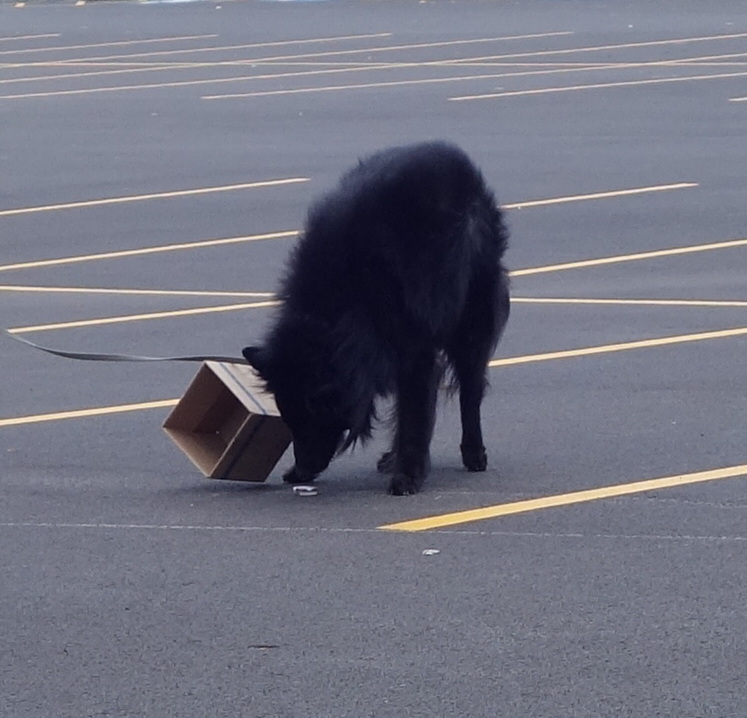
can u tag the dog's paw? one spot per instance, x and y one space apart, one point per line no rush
402 485
294 476
474 459
386 463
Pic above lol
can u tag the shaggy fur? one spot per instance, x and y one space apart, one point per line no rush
397 274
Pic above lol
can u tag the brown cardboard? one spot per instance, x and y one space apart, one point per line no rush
227 425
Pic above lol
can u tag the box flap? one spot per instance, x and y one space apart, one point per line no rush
247 386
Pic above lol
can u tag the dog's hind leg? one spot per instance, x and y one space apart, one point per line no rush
417 393
469 352
472 384
387 462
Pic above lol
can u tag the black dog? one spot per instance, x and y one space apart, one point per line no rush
398 273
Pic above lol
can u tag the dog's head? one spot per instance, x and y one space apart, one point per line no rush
309 404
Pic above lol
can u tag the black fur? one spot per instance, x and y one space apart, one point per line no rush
397 274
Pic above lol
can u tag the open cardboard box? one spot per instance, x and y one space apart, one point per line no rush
228 425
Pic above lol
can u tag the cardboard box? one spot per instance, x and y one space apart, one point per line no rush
228 425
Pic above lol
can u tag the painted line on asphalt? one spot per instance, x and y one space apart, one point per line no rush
398 64
148 250
336 69
155 195
104 526
308 56
526 359
194 527
465 62
21 288
623 346
623 46
120 43
527 204
599 195
249 61
575 497
497 362
365 85
143 317
85 413
247 46
29 37
439 80
630 302
128 67
732 63
318 54
636 256
598 86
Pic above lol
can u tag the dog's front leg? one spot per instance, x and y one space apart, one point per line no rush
417 391
469 360
296 476
474 456
387 462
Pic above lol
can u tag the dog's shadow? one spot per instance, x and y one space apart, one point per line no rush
340 482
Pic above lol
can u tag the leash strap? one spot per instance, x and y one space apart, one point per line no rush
89 356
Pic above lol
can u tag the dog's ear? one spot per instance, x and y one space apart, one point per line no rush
257 358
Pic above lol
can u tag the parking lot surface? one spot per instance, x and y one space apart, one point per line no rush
158 160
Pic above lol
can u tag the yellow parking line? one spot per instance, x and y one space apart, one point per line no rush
155 195
106 44
292 233
621 46
83 413
262 62
143 317
148 250
323 53
597 86
575 497
150 67
248 46
338 68
370 50
630 302
495 363
624 346
249 61
354 86
135 292
581 264
30 37
599 195
464 62
22 288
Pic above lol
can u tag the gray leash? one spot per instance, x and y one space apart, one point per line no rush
88 356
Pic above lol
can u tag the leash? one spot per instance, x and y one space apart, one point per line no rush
89 356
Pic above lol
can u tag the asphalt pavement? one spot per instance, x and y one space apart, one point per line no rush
157 160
